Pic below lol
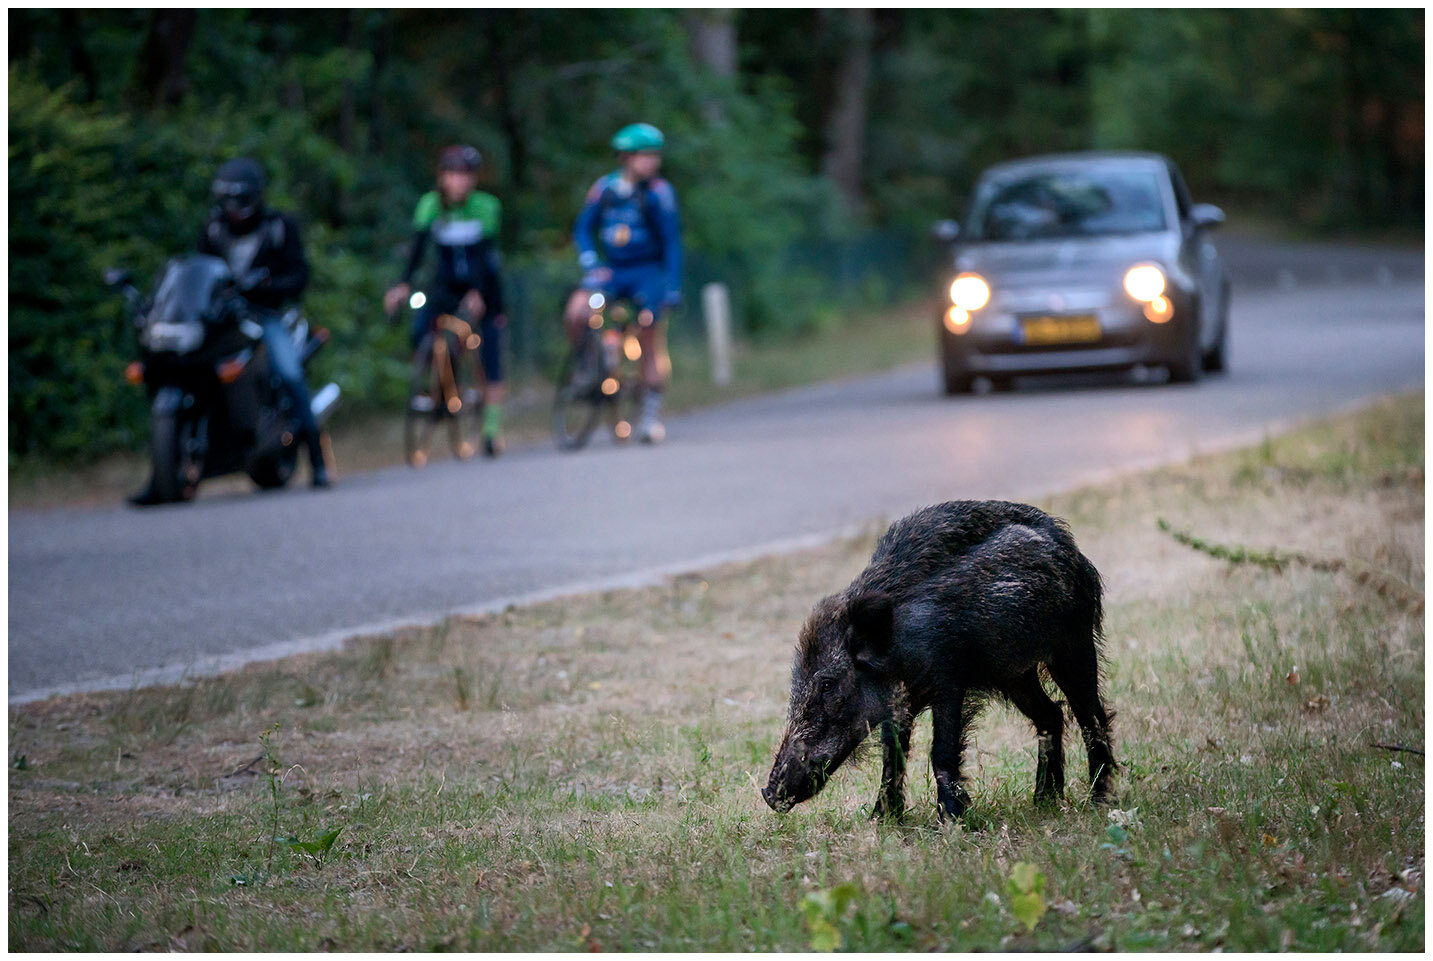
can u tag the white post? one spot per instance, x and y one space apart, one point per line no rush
716 308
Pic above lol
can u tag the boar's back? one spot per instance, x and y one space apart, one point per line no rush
927 542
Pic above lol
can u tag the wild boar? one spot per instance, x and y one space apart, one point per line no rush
961 601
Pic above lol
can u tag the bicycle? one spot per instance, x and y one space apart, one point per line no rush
599 376
448 385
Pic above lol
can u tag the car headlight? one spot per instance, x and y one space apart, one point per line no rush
1145 282
969 292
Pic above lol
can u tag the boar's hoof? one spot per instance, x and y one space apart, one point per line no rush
888 810
952 801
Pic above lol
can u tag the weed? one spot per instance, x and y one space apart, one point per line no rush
462 688
1026 889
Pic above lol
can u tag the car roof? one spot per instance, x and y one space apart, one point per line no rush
1084 158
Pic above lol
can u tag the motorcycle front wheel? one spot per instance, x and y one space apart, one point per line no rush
276 470
177 460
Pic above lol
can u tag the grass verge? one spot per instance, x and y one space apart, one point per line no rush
858 345
583 773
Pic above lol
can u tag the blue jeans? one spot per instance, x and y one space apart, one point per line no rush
284 361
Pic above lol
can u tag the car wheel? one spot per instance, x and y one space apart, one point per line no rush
1186 368
955 378
1217 359
956 382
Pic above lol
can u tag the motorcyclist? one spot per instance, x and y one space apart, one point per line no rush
463 223
266 258
629 245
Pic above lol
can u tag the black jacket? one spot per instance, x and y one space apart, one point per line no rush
272 244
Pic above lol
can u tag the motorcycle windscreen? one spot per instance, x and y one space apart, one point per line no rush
186 290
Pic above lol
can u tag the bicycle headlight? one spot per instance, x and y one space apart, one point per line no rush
969 292
1144 282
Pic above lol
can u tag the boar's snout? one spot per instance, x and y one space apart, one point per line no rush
795 777
777 801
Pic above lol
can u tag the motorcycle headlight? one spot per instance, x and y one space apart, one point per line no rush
1144 282
969 292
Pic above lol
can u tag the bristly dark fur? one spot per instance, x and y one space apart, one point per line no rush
961 601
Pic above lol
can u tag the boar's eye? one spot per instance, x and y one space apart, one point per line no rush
828 684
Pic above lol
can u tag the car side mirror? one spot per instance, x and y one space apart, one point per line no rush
116 277
945 231
1206 215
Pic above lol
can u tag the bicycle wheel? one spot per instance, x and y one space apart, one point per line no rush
463 392
424 399
579 400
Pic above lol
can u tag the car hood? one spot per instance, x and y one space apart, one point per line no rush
1056 261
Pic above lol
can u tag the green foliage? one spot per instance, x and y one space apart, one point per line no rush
1026 890
825 911
1313 114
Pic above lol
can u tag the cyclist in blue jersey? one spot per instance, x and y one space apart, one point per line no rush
462 222
629 245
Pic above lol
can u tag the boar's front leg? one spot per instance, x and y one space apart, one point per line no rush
895 746
948 714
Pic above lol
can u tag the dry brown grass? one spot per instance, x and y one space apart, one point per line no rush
590 763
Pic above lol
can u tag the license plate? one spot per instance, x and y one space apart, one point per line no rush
1074 329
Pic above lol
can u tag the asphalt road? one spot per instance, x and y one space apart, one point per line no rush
113 597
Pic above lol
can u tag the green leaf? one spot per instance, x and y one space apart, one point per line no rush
1028 909
1117 834
1025 878
1026 887
824 936
319 846
844 895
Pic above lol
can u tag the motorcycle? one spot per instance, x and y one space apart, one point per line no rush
216 407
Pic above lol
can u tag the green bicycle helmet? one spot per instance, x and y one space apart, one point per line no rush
637 136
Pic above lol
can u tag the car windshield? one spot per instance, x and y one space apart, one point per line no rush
1067 203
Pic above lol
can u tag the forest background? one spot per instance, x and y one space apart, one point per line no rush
810 150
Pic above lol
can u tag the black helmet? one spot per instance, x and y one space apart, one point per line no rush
239 188
460 157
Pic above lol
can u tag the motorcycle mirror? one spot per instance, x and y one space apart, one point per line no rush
116 277
945 231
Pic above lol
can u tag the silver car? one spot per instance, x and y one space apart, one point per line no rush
1084 261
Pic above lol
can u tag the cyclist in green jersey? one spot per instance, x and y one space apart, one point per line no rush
462 222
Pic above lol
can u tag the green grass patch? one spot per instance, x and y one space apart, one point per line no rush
582 774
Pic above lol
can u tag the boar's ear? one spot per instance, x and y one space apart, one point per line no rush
872 622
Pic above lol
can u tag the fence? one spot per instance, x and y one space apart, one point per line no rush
809 285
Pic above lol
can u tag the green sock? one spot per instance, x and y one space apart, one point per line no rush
492 419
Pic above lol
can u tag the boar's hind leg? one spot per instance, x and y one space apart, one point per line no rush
1028 694
1076 670
949 715
895 746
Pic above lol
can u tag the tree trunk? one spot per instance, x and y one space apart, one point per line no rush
378 113
712 34
713 39
348 105
160 78
505 40
846 126
80 61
